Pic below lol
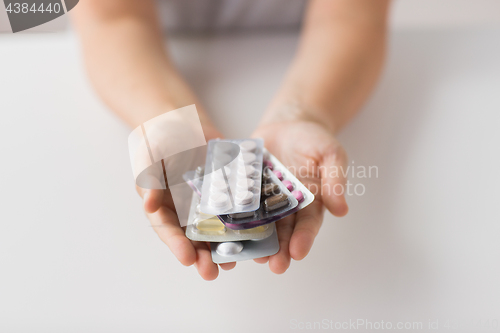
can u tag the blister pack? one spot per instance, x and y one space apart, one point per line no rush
274 168
274 178
246 250
241 234
208 228
276 200
232 176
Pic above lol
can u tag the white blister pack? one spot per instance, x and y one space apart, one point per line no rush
233 175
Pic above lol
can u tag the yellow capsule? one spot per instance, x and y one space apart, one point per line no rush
255 230
211 225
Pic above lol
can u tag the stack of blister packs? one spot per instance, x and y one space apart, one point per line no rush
238 196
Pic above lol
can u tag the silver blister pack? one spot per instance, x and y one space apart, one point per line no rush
232 176
246 250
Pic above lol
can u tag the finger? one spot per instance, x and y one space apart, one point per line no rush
307 224
280 262
228 266
333 182
207 269
165 223
152 198
262 260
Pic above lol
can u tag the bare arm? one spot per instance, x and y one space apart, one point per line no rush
338 61
131 71
127 62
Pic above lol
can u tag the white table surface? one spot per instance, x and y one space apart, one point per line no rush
77 253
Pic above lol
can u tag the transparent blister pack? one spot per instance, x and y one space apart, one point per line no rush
276 200
279 174
274 169
194 179
232 176
209 228
299 190
238 251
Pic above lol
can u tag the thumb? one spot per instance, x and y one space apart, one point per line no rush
152 199
333 181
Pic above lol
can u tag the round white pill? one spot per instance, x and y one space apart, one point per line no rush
222 159
245 184
243 198
248 158
218 185
248 145
218 199
229 248
218 174
246 171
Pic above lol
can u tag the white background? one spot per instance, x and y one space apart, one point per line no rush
77 253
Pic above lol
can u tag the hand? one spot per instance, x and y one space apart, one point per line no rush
309 148
160 210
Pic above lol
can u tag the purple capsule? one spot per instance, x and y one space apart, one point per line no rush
268 164
278 174
288 184
298 195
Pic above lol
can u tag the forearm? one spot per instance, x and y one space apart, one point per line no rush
339 59
127 62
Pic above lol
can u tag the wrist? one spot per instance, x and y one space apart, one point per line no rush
293 110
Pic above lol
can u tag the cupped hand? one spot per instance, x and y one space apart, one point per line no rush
160 210
317 159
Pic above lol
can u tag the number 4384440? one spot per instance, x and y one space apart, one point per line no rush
25 8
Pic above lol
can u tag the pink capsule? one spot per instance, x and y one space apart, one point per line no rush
298 195
288 184
268 164
278 174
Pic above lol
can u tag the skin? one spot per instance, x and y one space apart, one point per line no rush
337 63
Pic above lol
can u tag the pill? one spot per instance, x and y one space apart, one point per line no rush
243 198
270 189
248 158
218 185
266 178
275 202
200 171
218 199
229 248
248 145
255 230
241 215
211 225
268 164
203 216
221 159
223 148
246 171
278 174
288 184
298 195
218 174
245 184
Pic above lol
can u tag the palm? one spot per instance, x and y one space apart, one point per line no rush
309 149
